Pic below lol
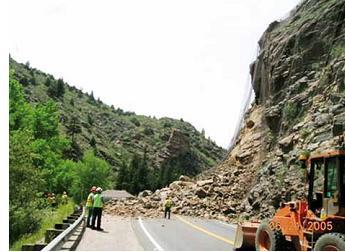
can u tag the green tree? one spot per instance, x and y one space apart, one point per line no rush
135 121
48 82
91 97
91 171
73 127
66 175
74 151
25 182
60 88
56 89
93 141
122 179
33 80
133 171
138 174
19 111
45 120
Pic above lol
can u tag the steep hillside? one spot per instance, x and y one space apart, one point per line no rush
299 84
117 135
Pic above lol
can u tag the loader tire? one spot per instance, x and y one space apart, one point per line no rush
268 239
331 241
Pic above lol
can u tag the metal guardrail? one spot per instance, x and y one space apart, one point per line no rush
57 243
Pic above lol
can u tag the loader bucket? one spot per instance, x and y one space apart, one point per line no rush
245 235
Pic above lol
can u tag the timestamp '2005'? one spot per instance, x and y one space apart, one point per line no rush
310 225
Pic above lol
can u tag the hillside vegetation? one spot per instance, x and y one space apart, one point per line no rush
117 135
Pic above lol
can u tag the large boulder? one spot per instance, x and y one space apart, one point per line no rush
185 178
204 182
144 193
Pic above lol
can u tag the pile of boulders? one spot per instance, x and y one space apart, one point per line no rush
209 198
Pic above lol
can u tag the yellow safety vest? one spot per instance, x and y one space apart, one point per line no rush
98 200
168 203
89 201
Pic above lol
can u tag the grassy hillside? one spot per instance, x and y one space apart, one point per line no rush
114 134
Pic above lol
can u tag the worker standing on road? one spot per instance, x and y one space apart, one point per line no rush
97 209
167 207
89 205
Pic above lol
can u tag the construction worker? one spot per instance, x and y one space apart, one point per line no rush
89 205
50 199
53 200
64 198
167 207
97 209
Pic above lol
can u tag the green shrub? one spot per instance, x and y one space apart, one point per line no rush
90 119
304 133
56 89
290 111
148 131
135 121
338 51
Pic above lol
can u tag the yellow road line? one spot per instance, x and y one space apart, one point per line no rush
205 231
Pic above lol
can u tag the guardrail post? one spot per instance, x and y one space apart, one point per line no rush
61 225
59 240
28 247
39 246
51 233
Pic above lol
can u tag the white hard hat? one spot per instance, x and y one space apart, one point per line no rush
99 189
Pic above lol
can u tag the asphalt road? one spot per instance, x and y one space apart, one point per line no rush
179 233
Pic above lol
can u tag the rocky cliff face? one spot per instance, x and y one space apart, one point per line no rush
299 84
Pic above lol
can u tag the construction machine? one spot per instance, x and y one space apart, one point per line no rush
315 223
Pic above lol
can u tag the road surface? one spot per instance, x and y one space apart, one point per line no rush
178 233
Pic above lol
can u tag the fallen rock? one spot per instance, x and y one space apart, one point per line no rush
201 193
144 193
204 182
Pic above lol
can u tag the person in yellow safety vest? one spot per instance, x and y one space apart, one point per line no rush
89 206
167 207
97 209
64 198
50 199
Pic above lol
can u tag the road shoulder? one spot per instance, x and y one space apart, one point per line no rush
117 235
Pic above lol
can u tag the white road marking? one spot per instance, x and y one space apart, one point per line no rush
157 247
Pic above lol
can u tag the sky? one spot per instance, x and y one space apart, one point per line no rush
182 59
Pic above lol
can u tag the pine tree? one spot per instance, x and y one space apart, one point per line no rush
48 82
133 174
93 142
122 180
143 173
56 89
74 152
60 88
91 97
73 127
